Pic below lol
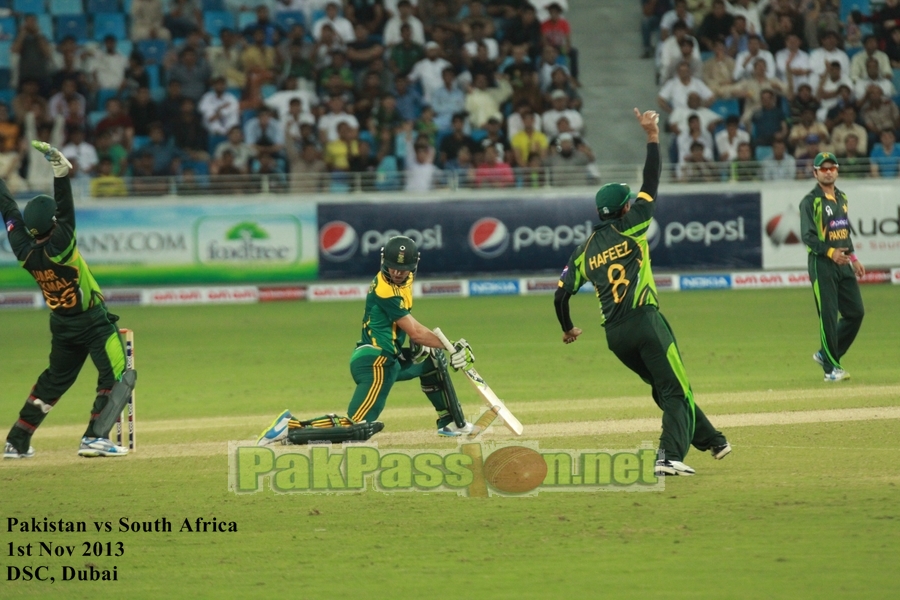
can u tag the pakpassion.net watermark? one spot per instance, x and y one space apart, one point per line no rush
473 468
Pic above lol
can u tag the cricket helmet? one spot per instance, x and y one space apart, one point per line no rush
40 215
400 253
611 198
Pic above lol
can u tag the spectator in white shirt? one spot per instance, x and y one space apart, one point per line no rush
694 134
874 76
728 140
676 91
821 57
80 153
280 101
794 60
107 65
678 120
678 13
828 90
743 63
342 27
858 69
391 6
780 165
478 37
220 109
336 114
670 50
749 11
561 109
421 171
429 70
404 15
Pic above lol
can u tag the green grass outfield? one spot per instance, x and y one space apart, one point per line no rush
805 507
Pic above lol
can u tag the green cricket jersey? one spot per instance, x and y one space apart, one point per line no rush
386 303
67 283
824 222
616 260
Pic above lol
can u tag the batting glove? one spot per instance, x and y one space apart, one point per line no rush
60 163
462 356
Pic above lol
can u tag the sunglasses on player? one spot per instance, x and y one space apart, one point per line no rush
831 169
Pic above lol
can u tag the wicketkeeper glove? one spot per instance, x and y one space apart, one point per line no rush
60 163
462 356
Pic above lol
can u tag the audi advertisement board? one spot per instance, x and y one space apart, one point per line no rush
697 231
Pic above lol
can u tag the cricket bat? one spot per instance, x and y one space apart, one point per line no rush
487 394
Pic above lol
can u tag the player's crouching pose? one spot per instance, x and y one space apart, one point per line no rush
380 359
616 259
44 242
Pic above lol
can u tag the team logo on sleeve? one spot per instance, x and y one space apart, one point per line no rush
338 241
488 237
564 273
10 225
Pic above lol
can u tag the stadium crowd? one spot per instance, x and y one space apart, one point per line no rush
291 95
754 90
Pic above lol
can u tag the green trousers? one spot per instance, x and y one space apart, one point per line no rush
74 338
836 291
375 374
644 343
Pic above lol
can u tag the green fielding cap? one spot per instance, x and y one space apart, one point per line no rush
822 157
40 214
612 197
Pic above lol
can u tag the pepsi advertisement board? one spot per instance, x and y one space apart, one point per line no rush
698 231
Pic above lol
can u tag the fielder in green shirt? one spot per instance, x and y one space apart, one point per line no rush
833 266
616 260
43 239
380 359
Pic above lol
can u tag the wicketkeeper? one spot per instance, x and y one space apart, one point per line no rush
833 266
616 260
380 359
43 239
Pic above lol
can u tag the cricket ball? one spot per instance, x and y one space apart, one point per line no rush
515 469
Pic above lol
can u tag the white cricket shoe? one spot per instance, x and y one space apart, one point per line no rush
819 360
277 431
452 430
9 451
720 452
837 375
92 447
672 467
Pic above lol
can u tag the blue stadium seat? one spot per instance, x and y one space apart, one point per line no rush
245 19
154 77
4 54
5 77
851 51
139 142
109 24
45 24
71 25
66 7
153 51
763 152
103 95
6 96
288 19
727 107
103 6
8 29
215 21
267 90
124 47
848 6
94 117
29 7
213 5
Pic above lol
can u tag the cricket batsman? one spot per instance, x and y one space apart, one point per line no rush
616 260
380 359
43 240
833 266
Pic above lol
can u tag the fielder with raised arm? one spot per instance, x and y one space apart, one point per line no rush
616 260
380 359
43 239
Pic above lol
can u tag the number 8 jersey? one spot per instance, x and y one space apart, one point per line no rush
616 260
